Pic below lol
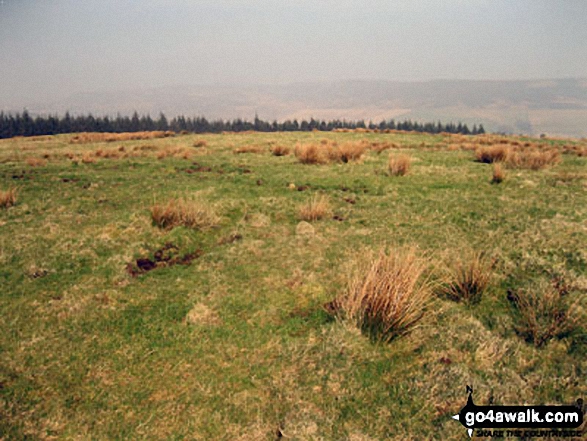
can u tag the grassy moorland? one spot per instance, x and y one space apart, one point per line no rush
166 288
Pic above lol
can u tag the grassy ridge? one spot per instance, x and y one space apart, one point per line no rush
237 344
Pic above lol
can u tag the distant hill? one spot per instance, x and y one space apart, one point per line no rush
554 107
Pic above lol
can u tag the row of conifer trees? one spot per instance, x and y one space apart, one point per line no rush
23 124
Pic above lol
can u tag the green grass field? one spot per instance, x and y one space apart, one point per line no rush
236 343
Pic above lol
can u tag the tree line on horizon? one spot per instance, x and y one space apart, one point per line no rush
23 124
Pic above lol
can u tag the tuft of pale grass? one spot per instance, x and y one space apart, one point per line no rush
248 149
349 151
200 143
534 159
399 165
543 313
492 153
498 173
88 158
182 212
468 277
8 197
389 296
91 137
35 162
318 207
310 154
280 150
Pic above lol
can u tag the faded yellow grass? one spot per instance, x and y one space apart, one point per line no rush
388 296
8 197
280 150
545 312
183 212
498 173
399 165
318 207
248 149
468 277
35 162
90 137
326 151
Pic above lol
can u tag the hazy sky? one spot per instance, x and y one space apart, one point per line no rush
53 47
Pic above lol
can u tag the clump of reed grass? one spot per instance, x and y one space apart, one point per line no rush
200 143
248 149
534 159
183 212
498 173
388 296
399 165
280 150
310 154
318 207
468 277
8 197
35 162
492 153
545 311
90 137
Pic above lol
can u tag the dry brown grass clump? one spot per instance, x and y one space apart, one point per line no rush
389 296
108 154
90 137
468 278
88 158
379 147
318 207
543 313
399 165
498 173
8 197
492 153
310 154
175 152
534 159
182 212
248 149
35 162
327 151
280 150
200 143
349 151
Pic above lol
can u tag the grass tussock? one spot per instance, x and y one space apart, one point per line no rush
248 149
310 154
183 212
544 312
88 158
200 143
347 152
91 137
399 165
492 153
280 150
8 197
327 151
389 296
174 152
35 162
318 207
534 159
498 173
468 278
379 147
517 155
